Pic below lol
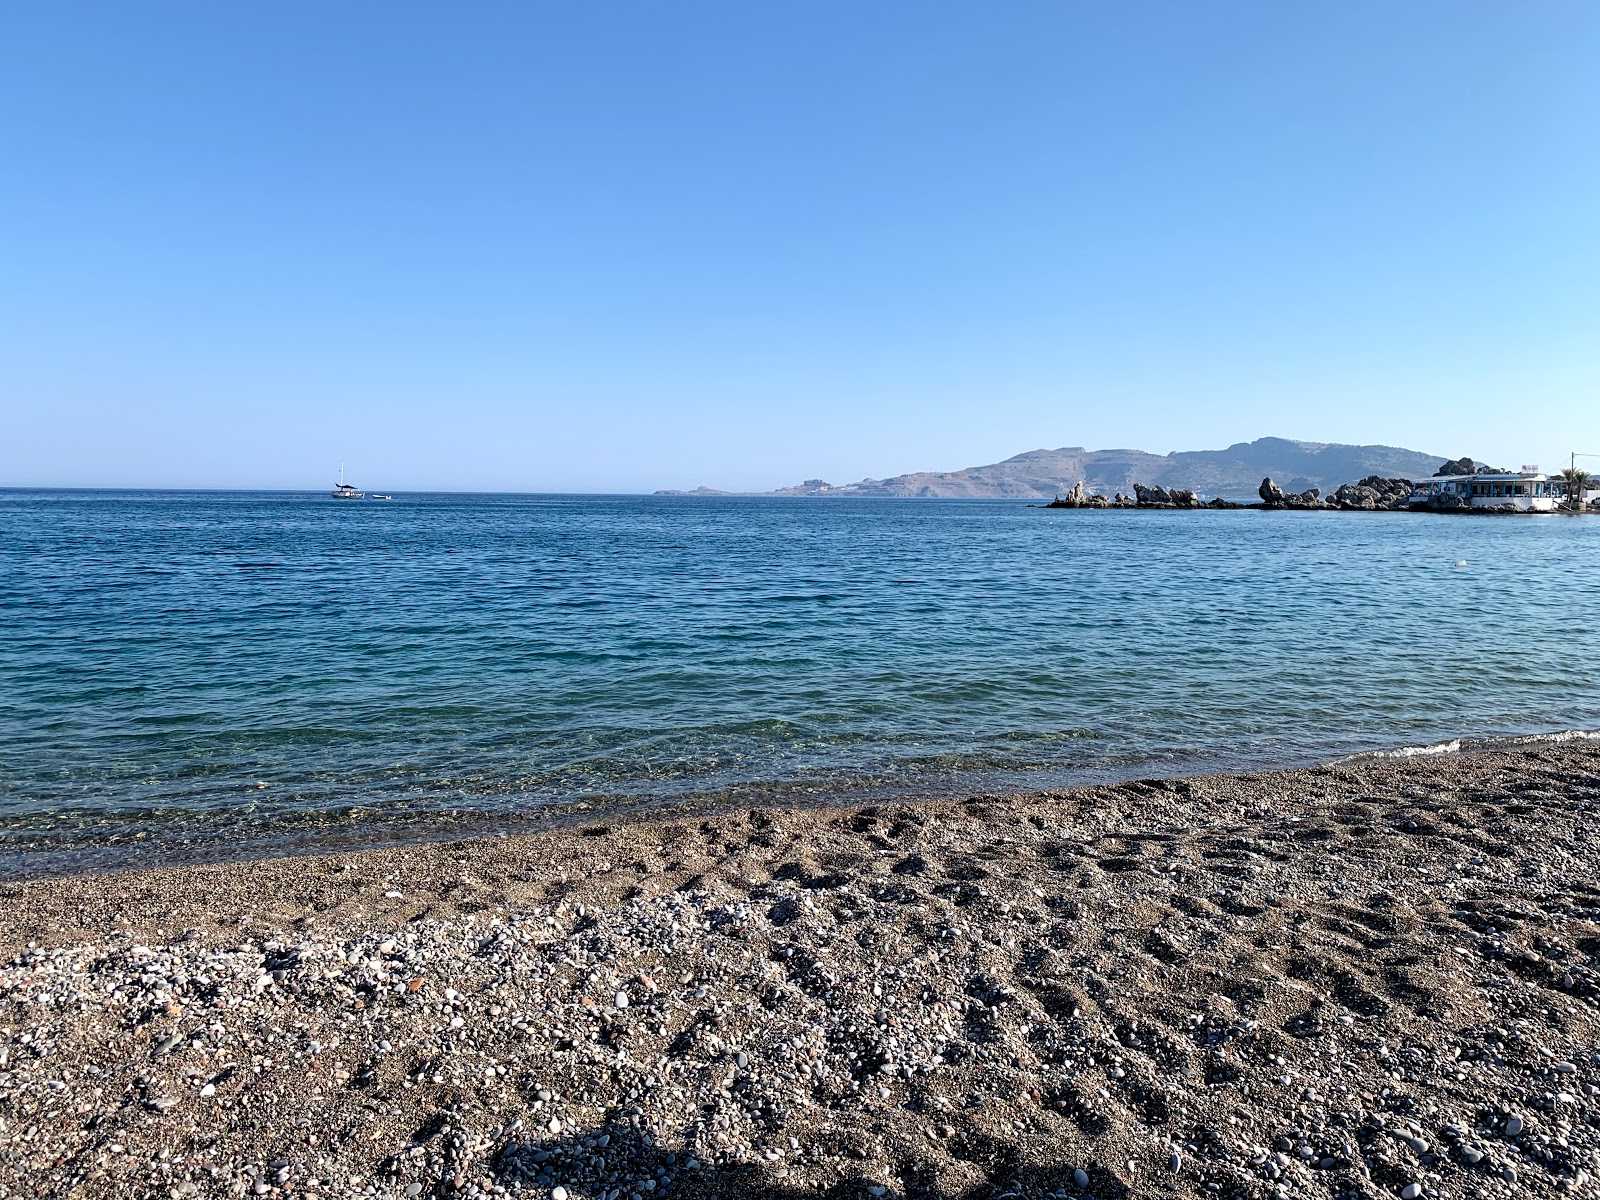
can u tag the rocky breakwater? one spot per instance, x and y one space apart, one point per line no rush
1374 493
1160 497
1143 497
1079 497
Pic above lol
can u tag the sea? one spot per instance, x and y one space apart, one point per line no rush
194 676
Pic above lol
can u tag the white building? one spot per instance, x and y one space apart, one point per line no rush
1528 490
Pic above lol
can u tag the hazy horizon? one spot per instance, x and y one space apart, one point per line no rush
616 250
384 486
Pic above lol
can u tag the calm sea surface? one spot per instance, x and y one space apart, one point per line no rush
202 674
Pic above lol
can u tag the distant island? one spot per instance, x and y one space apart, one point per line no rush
1043 474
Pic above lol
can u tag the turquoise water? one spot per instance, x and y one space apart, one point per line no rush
212 673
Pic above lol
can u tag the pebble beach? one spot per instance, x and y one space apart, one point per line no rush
1374 978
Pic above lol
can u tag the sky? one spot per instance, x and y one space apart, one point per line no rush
614 247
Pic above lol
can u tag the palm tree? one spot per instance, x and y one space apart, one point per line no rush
1577 479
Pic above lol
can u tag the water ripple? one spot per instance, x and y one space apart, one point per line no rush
194 670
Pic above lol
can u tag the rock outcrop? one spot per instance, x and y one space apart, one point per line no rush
1160 497
1374 493
1465 466
1273 496
1080 497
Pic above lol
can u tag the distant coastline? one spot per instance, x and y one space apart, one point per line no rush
1236 471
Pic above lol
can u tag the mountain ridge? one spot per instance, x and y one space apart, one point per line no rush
1234 471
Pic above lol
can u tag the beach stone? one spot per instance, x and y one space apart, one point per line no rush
1411 1191
622 999
834 1027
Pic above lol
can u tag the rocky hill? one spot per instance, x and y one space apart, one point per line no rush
1234 472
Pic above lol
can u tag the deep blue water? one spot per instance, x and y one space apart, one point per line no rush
188 674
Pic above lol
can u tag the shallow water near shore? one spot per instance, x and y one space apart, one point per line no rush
233 673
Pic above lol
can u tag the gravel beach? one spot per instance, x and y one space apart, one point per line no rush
1375 978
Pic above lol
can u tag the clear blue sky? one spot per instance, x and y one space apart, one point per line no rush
611 246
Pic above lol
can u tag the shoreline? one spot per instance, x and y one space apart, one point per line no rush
1252 984
29 852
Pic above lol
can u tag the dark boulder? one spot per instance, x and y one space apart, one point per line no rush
1374 492
1151 497
1355 496
1465 466
1310 498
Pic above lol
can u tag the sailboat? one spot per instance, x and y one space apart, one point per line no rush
346 491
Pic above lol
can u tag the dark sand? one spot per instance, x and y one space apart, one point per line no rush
1370 979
